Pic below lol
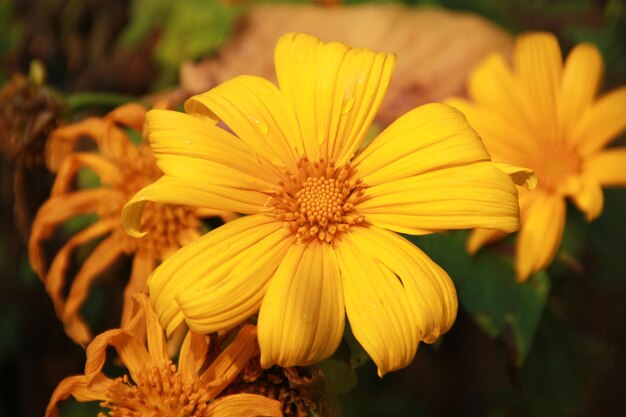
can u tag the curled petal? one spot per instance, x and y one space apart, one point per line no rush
81 388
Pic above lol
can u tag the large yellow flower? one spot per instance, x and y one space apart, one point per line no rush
545 115
123 169
154 386
319 241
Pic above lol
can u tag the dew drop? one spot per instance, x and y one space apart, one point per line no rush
262 126
301 58
348 104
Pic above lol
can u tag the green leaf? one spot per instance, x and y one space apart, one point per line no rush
488 291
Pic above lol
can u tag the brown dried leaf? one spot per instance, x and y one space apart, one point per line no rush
436 48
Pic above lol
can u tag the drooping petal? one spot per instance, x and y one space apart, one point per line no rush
581 78
62 141
604 121
608 168
57 210
108 172
524 177
192 355
470 196
301 320
233 291
132 115
231 361
141 268
481 237
54 280
378 308
539 66
540 234
155 338
129 348
431 294
244 405
98 261
81 388
174 190
430 137
335 91
258 112
248 242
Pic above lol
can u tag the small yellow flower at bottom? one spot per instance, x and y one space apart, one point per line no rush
319 241
544 115
154 386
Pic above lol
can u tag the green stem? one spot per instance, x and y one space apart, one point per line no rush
97 99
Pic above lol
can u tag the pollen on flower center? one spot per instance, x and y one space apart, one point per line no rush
159 393
554 164
318 200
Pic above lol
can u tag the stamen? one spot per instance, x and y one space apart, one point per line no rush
319 200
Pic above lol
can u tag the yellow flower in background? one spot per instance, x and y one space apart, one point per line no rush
154 386
545 115
123 168
319 240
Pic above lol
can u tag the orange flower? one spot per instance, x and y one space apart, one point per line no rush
154 386
123 169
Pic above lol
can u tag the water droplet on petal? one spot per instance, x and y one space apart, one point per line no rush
301 58
262 126
348 104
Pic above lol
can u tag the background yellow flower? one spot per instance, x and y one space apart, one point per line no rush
122 168
544 114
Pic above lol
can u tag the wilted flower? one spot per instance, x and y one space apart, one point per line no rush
544 114
123 169
154 386
319 241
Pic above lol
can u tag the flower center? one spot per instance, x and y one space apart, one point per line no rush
318 200
554 164
159 393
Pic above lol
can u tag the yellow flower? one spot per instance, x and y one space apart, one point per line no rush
545 115
154 386
123 169
319 240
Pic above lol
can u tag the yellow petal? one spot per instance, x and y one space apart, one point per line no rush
581 78
481 237
233 290
604 121
471 196
430 137
335 91
210 259
608 168
142 266
81 388
192 356
178 139
257 112
57 210
98 261
132 115
539 66
540 234
430 291
378 308
155 338
495 87
187 192
129 348
231 361
503 140
586 193
244 405
302 316
54 280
